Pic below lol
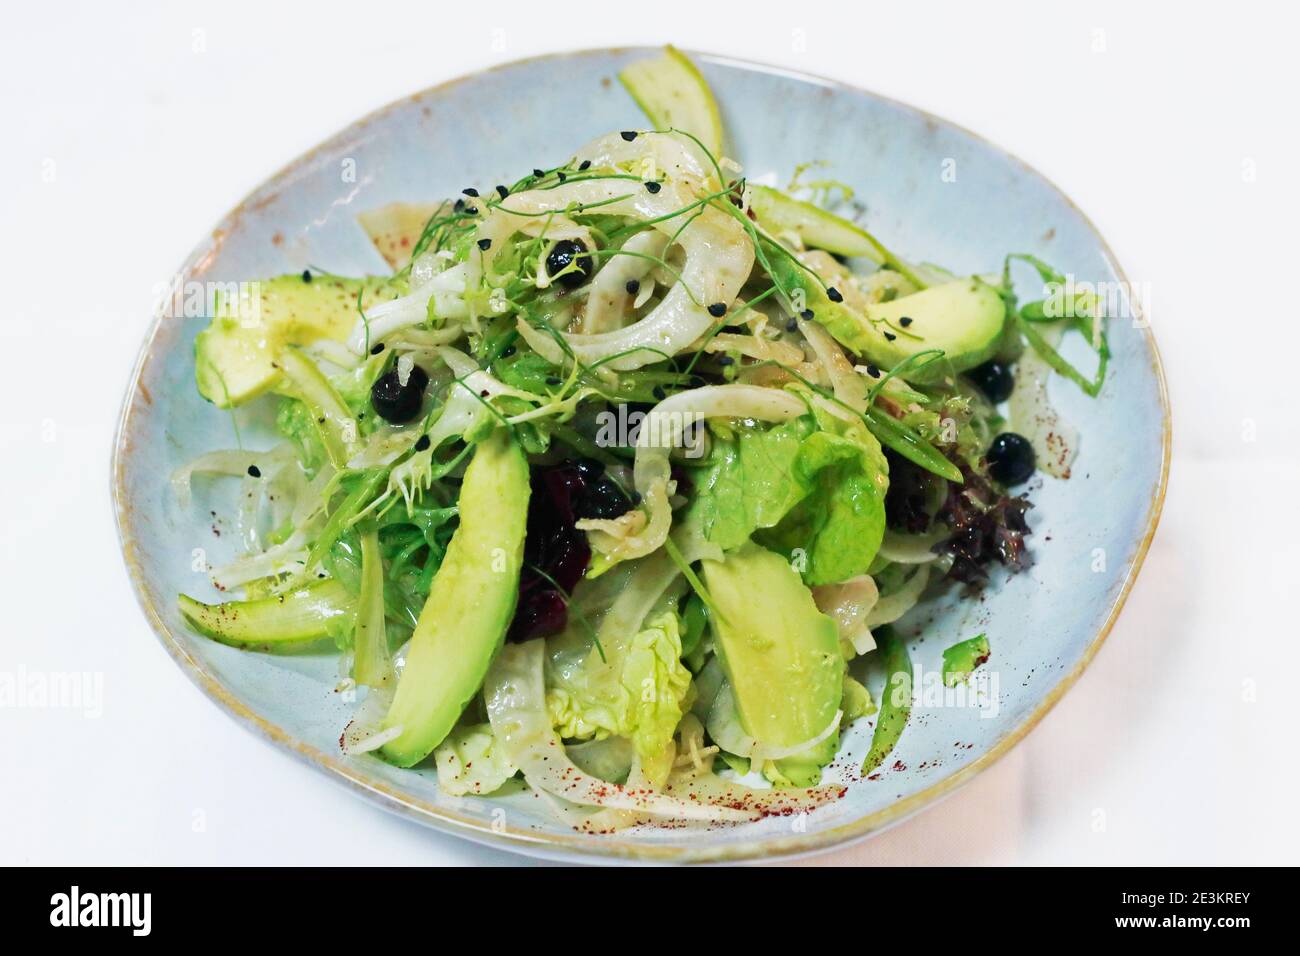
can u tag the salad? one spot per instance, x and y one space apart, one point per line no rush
609 488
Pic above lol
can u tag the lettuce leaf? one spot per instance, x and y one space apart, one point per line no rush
812 488
637 692
469 761
751 484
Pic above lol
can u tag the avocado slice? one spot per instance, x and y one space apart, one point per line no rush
234 356
781 654
963 317
470 604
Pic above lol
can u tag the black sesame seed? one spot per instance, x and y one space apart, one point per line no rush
538 174
873 371
377 348
905 321
306 275
584 165
255 471
807 315
422 443
562 176
792 326
509 351
503 192
485 244
459 205
628 135
471 210
890 336
552 380
718 310
833 294
652 188
471 192
633 286
726 360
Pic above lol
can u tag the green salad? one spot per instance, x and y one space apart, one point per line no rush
610 486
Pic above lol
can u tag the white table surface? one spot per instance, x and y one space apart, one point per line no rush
125 137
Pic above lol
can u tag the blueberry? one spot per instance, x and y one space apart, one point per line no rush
603 499
395 402
1010 458
994 379
568 252
589 469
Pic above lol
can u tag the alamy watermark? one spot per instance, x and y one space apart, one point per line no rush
1073 299
75 908
53 690
626 427
977 691
180 299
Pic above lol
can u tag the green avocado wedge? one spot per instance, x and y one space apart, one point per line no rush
234 357
963 319
470 604
781 654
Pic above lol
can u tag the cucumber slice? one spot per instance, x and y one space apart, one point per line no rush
819 229
673 95
816 227
279 622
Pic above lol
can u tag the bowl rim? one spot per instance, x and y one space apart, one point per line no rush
566 845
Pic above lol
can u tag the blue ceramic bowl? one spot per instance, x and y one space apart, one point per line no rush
1044 624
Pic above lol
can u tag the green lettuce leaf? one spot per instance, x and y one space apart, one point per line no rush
470 762
751 483
637 692
812 488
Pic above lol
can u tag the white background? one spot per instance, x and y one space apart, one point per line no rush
1174 128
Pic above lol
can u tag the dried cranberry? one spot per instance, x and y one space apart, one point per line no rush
556 553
